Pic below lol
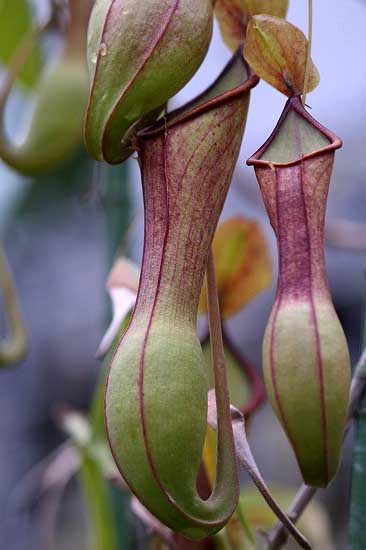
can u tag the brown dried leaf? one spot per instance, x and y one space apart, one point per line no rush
277 51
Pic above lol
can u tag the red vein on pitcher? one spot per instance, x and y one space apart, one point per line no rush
305 355
156 395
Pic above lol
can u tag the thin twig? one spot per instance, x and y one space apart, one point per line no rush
152 523
247 462
36 481
308 55
257 390
305 494
219 400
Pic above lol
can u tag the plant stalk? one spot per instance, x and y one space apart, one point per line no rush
308 55
217 344
218 357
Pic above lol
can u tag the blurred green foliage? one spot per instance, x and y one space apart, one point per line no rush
16 21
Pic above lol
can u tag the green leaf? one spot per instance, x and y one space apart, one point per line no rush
15 22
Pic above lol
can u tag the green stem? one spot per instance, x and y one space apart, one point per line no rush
13 348
98 499
217 345
225 442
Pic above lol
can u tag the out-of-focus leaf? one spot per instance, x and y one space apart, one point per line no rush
232 16
269 7
15 23
243 266
314 523
99 504
153 525
247 461
96 465
122 286
277 52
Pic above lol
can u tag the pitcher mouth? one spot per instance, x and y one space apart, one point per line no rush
294 105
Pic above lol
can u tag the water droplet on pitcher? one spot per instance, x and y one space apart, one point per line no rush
103 49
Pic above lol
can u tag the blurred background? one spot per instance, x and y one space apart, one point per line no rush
59 232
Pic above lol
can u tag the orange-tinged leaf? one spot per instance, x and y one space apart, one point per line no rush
232 16
277 51
270 7
243 266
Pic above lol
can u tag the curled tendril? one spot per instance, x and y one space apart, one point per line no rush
13 348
